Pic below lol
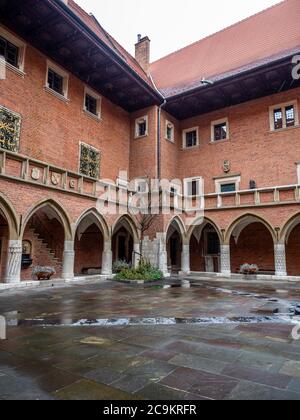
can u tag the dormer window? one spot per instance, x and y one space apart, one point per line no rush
141 127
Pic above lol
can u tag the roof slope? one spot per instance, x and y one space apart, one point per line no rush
95 26
265 34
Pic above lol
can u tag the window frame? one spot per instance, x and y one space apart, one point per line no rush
21 45
189 181
65 76
98 98
219 122
227 181
184 139
283 107
172 126
139 121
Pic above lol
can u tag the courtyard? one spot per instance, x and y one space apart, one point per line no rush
196 340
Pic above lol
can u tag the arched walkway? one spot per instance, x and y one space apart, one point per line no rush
89 244
46 228
124 238
205 247
291 238
175 238
252 241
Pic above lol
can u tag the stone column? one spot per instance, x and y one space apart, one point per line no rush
225 260
14 260
280 260
162 255
185 259
68 261
136 255
107 259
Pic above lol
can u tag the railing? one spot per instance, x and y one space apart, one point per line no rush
22 168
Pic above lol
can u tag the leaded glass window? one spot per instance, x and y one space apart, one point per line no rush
89 161
10 126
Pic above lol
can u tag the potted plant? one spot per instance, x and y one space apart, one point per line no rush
249 269
43 273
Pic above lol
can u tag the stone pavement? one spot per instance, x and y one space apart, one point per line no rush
183 361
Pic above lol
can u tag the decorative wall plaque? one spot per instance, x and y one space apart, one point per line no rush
226 166
89 161
55 179
10 127
35 174
72 184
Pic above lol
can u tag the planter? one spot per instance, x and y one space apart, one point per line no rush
249 270
43 273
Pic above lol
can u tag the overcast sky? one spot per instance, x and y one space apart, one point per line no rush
170 24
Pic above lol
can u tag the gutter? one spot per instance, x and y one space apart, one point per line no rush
62 7
158 134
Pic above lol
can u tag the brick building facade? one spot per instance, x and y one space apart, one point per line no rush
219 117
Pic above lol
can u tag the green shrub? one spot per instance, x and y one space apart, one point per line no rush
145 272
120 265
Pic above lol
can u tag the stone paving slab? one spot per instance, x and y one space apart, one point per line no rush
182 361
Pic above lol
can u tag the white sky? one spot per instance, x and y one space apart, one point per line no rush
170 24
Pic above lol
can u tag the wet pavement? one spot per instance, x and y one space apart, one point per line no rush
110 341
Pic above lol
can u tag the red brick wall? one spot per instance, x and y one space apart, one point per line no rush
255 246
52 129
293 253
253 150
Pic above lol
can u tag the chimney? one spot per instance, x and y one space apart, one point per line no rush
142 52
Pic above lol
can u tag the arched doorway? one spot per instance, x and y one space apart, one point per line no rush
44 235
4 238
291 237
174 247
89 245
205 248
252 242
123 240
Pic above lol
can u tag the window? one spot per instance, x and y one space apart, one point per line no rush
220 130
192 187
284 116
92 103
190 138
12 49
141 127
89 161
170 131
10 127
57 81
228 188
227 184
9 51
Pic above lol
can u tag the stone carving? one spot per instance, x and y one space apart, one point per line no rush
72 184
10 127
89 161
14 259
55 178
226 166
35 174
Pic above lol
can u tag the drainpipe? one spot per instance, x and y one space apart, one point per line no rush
158 151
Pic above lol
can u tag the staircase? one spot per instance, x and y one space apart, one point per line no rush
46 246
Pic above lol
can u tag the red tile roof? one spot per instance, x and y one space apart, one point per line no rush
95 26
263 35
